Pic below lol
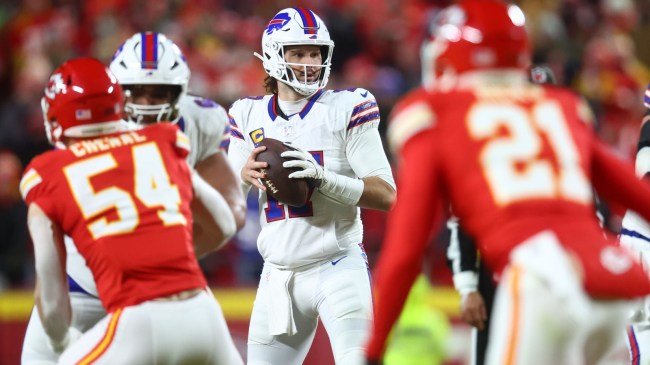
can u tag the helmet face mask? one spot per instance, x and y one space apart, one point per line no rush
150 60
82 99
308 76
145 104
289 29
474 35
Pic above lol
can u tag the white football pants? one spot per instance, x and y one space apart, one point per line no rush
169 332
86 312
289 303
542 316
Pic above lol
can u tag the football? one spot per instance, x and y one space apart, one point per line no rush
294 192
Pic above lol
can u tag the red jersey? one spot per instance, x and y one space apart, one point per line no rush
125 201
512 162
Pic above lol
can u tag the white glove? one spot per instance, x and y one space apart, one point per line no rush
309 168
70 337
342 189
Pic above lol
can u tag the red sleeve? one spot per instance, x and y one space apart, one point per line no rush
408 232
35 189
616 182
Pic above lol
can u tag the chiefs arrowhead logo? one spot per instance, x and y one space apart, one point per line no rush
55 86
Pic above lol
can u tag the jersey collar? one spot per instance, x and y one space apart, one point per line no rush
275 111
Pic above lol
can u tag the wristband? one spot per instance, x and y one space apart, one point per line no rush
340 188
465 282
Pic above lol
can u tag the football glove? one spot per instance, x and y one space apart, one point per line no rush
309 168
340 188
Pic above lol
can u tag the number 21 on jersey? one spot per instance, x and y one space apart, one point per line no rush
512 162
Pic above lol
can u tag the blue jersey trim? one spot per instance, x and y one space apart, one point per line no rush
627 232
181 124
271 108
74 287
310 103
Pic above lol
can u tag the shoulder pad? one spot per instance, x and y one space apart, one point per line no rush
351 96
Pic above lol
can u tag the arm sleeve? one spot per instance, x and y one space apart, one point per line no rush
238 152
462 258
411 223
216 205
51 294
616 182
367 157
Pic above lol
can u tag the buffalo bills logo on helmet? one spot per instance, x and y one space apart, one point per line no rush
277 22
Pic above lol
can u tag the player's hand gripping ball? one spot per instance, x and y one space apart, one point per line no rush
294 192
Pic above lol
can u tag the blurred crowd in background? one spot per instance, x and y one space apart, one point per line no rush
600 48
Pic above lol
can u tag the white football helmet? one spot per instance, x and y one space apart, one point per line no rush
291 27
150 58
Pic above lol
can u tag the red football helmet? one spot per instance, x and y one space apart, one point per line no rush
475 35
82 99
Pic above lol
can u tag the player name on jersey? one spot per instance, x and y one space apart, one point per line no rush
83 148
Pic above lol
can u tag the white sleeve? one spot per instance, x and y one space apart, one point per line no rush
642 162
206 121
367 157
238 150
52 299
238 153
210 135
215 204
465 281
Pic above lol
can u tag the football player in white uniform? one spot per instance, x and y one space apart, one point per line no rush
155 76
314 263
635 234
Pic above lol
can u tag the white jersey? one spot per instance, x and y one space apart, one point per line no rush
635 231
633 224
206 125
329 126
